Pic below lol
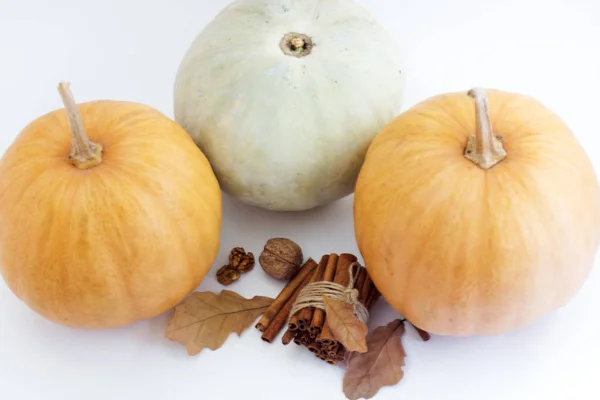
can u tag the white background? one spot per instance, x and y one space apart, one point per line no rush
130 50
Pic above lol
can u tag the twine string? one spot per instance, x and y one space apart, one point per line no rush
312 295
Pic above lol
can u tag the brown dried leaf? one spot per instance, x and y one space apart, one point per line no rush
345 326
380 366
206 319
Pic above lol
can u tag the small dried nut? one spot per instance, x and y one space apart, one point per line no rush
240 260
281 258
227 275
247 263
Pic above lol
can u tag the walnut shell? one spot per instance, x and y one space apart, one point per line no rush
281 258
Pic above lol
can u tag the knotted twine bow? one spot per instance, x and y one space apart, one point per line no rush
312 295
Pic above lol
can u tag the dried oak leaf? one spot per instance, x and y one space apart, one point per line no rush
206 319
380 366
345 325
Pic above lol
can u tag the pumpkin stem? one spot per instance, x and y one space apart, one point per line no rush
84 153
296 45
484 148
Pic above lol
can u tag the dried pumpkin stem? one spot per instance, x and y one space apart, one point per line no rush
484 148
296 44
84 153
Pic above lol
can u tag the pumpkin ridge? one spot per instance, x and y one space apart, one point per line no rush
66 310
517 188
454 118
109 243
481 292
28 199
155 202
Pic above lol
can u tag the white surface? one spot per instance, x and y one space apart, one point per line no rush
131 51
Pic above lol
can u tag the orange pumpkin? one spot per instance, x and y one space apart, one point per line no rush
120 230
466 231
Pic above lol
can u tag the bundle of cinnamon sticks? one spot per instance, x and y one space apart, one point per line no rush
308 327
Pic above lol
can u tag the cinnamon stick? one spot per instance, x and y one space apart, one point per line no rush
365 289
332 352
368 294
333 348
297 340
362 275
308 327
302 318
288 336
336 357
342 277
313 347
305 339
318 318
326 349
373 296
271 312
282 316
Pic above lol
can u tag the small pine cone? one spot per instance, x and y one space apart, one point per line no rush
240 260
227 275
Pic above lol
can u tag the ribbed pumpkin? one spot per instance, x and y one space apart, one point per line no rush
120 230
477 213
285 96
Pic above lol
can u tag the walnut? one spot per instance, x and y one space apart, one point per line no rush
240 260
281 258
227 275
239 263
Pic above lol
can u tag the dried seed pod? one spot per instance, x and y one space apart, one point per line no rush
227 275
240 260
281 258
